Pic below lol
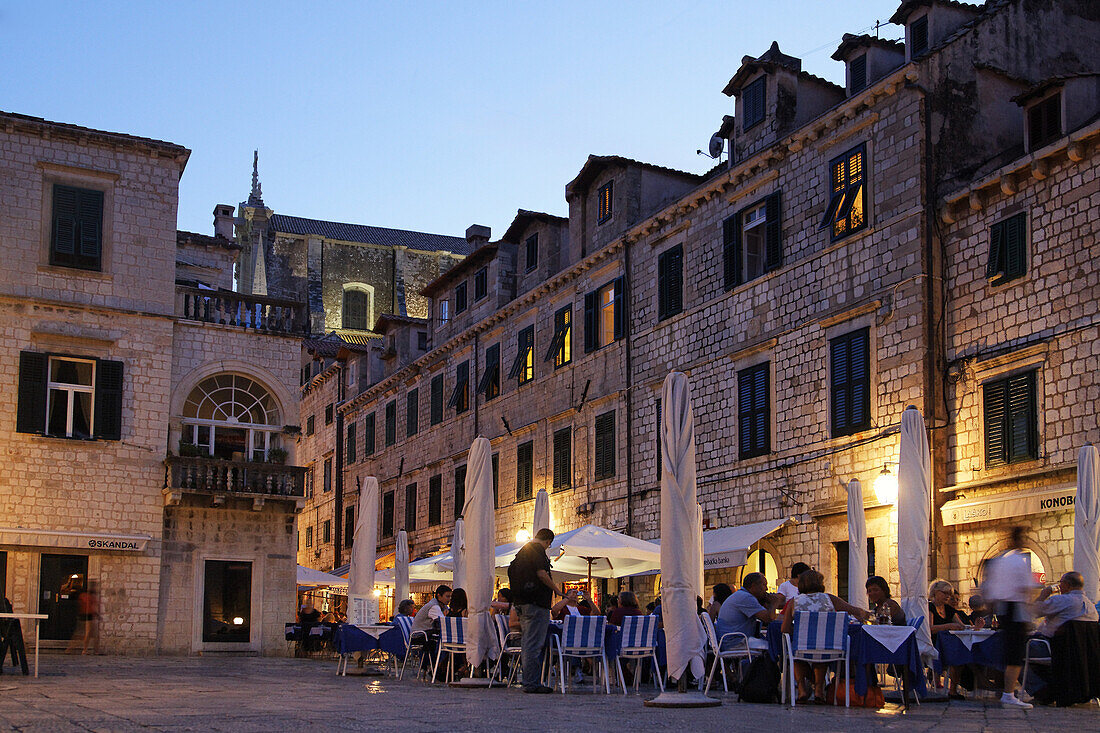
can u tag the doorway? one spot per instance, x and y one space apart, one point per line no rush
61 579
227 601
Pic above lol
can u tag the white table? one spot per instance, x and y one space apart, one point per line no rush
36 617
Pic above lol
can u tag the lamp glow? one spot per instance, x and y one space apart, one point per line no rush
886 487
238 621
377 592
523 536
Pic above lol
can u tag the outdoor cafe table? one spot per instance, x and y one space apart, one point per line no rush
984 647
383 637
36 617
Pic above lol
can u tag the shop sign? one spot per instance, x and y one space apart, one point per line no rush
1014 504
50 538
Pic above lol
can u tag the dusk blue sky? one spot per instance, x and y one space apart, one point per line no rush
415 115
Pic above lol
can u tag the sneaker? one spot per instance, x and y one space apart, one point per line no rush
1011 701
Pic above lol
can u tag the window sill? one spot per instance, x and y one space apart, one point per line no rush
845 235
999 284
66 438
75 272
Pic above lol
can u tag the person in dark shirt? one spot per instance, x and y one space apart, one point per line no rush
628 606
532 590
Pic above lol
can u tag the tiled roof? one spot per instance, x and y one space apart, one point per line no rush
901 15
525 217
369 235
597 163
102 135
851 42
386 319
203 240
771 59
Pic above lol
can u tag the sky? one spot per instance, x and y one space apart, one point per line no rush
429 116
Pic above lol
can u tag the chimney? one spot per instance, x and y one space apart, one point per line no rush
223 221
477 236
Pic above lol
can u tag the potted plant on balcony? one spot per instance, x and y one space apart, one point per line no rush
190 450
276 455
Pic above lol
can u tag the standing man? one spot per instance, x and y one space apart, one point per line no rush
1010 587
532 591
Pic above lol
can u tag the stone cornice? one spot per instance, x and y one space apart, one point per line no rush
319 379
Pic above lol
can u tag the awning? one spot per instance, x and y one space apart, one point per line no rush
1011 504
729 547
318 579
75 540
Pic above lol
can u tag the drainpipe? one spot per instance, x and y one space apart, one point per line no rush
338 478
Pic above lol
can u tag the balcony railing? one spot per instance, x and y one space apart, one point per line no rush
256 312
216 476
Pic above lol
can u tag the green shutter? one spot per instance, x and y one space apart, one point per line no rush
590 322
994 399
65 212
840 399
412 417
619 313
368 435
1015 246
995 266
108 400
731 250
91 224
772 233
31 410
1022 418
605 446
437 399
460 490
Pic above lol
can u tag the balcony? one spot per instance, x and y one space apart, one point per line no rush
255 312
239 479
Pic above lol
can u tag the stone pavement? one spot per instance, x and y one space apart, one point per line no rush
267 694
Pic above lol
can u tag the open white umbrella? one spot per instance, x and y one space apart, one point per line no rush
914 500
1086 513
458 553
479 514
857 546
401 568
362 605
308 577
541 519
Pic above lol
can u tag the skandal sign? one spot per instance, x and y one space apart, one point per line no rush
59 539
1013 504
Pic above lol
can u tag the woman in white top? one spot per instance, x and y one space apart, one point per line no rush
813 598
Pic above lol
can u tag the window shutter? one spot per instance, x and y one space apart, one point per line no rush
995 266
919 36
91 222
859 353
761 417
858 73
1035 127
368 434
562 464
108 400
994 399
65 209
773 232
605 446
670 282
590 323
619 317
1015 246
31 412
437 399
659 467
744 414
460 490
752 411
412 416
349 450
841 401
731 250
1022 417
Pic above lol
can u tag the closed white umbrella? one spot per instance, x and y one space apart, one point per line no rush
1086 513
857 546
361 599
458 554
701 586
401 569
480 550
541 519
914 500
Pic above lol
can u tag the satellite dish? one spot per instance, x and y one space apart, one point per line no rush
717 145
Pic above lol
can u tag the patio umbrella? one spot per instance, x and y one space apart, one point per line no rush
361 573
401 568
308 577
458 554
480 551
541 519
914 498
1086 512
857 546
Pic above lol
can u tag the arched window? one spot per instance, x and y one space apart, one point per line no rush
356 314
231 416
761 561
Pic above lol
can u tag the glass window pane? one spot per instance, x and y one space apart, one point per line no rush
607 316
755 254
82 414
71 372
58 413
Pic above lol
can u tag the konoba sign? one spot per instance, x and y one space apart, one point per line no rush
1012 504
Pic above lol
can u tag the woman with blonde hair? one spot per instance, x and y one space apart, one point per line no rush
945 617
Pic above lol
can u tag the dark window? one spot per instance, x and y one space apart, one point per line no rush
460 397
349 526
481 283
435 500
490 380
311 425
1044 122
603 209
328 414
604 315
523 367
368 434
918 36
659 460
851 382
391 422
410 507
605 445
857 74
460 298
309 536
69 397
753 103
356 308
563 459
1011 420
326 531
753 413
532 247
387 514
77 228
525 470
751 241
349 446
670 282
422 340
496 480
846 211
561 343
842 564
1007 249
460 490
437 399
412 416
227 601
327 485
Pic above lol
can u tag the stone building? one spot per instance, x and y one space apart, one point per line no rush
147 411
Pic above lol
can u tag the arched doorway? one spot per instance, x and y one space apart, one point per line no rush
762 561
233 417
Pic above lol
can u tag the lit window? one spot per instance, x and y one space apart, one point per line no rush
523 368
230 414
561 349
606 332
845 213
604 207
71 388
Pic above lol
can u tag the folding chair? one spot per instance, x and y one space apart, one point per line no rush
818 637
1031 657
582 637
405 623
452 639
738 648
510 645
639 641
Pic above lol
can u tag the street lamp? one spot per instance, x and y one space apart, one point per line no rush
886 487
523 535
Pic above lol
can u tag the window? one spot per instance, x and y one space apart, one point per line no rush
412 417
845 213
481 283
918 36
1007 249
857 74
490 381
327 484
1044 122
523 368
387 514
349 526
69 397
1011 420
326 531
311 425
349 445
410 507
605 445
603 207
444 312
670 282
227 601
753 103
77 238
842 555
851 382
422 340
460 490
561 343
563 458
356 313
437 400
309 536
328 414
460 298
603 315
532 247
753 413
435 500
460 397
233 417
525 470
391 422
368 435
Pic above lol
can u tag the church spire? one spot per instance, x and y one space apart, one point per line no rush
256 198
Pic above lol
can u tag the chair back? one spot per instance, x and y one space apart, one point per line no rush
820 631
709 630
405 623
639 632
452 630
583 633
501 622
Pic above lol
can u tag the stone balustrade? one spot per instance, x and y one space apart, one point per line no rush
216 476
259 313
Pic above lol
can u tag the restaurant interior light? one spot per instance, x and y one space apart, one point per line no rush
886 487
377 592
238 621
523 535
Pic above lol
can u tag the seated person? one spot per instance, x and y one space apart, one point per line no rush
719 596
945 617
308 614
628 606
503 606
612 604
980 615
406 607
1069 604
568 606
789 588
459 605
432 611
740 612
885 609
